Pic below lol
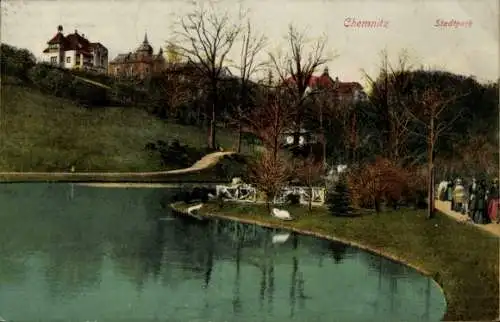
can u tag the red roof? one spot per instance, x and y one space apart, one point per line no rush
57 39
326 81
73 41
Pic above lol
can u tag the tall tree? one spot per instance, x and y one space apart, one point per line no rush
310 172
269 120
270 173
427 111
388 100
296 68
252 45
205 39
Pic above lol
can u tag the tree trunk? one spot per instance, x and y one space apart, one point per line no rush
238 149
310 198
198 114
323 136
430 170
377 204
211 136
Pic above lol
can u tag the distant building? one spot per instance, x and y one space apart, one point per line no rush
343 91
141 63
74 51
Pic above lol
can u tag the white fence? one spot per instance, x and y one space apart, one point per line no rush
248 193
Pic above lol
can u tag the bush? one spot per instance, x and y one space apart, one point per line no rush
382 180
339 200
62 83
231 167
183 195
15 61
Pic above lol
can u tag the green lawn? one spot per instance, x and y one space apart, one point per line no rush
44 133
461 258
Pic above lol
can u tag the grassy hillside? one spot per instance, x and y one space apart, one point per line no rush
44 133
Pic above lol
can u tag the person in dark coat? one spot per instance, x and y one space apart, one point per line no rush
449 193
472 198
479 216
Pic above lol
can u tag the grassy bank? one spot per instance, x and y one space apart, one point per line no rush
44 133
461 258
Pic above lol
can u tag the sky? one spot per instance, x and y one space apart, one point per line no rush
472 49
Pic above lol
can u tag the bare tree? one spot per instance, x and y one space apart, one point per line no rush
252 45
427 111
326 107
296 68
389 100
268 121
480 154
208 38
270 173
176 89
310 171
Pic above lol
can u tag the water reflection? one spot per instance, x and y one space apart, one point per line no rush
112 243
338 251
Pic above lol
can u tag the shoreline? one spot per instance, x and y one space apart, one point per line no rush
193 174
288 226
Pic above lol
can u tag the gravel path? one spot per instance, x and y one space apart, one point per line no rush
445 207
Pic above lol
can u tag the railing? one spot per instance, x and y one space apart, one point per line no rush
248 193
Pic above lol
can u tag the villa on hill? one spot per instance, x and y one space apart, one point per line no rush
74 51
343 91
140 63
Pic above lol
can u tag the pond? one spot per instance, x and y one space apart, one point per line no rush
77 253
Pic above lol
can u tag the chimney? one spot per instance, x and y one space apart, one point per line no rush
325 71
60 28
336 79
83 35
76 31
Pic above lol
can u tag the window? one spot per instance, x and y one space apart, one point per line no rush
68 60
53 60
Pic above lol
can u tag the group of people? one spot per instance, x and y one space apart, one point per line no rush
480 201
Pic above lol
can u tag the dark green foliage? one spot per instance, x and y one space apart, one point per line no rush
15 61
293 199
338 200
233 166
174 154
183 195
62 83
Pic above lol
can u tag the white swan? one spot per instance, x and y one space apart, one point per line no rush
281 214
2 319
280 238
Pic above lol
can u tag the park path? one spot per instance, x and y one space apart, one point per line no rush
445 208
206 161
